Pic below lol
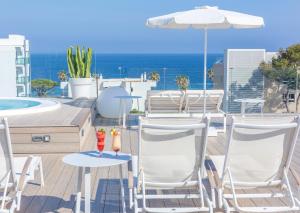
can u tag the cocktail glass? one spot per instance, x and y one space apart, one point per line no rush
100 142
116 142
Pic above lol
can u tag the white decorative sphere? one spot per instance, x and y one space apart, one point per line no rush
108 106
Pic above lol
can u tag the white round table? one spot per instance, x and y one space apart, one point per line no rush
91 159
122 110
245 101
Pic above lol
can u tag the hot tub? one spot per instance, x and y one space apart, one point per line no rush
20 105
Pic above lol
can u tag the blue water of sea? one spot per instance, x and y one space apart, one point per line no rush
131 65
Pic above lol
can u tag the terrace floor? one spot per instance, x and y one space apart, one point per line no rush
58 194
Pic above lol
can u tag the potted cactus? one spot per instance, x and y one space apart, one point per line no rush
79 65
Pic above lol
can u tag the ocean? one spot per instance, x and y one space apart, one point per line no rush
130 65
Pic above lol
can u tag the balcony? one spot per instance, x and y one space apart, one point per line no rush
22 80
22 61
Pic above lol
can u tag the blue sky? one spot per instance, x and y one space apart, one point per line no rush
118 26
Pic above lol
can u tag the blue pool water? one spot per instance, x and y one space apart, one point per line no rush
6 104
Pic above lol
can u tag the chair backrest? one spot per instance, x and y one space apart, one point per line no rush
195 101
259 148
171 150
6 156
167 101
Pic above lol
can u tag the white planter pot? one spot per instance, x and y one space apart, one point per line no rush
81 87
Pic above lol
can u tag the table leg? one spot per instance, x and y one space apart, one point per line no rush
87 190
243 108
124 114
78 190
120 111
122 190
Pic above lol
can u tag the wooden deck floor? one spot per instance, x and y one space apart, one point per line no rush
58 193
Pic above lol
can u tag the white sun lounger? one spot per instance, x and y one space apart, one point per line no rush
175 103
258 156
15 172
164 102
170 156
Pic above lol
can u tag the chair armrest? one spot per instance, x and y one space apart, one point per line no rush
296 176
212 174
22 180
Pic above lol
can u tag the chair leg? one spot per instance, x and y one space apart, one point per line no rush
18 203
78 190
213 197
13 207
224 124
226 206
41 173
122 189
135 200
220 199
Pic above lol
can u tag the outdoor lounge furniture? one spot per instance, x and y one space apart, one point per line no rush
164 102
258 156
194 101
175 103
15 172
170 156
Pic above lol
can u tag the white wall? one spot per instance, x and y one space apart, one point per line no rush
8 71
242 76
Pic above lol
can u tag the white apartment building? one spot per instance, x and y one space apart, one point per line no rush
14 66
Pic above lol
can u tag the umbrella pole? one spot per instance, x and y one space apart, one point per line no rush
205 71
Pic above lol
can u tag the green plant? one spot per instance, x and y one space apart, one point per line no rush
183 82
211 74
79 62
101 130
283 69
62 75
154 76
135 111
42 86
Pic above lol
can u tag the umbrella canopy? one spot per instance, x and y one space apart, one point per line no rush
205 18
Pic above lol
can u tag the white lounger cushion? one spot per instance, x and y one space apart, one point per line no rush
171 156
257 155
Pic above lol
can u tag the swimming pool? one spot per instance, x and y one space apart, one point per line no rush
19 106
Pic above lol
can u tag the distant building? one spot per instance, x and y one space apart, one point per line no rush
241 76
14 66
218 75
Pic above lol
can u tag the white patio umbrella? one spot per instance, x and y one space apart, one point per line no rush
206 18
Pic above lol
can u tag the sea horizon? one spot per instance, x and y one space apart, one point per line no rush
121 65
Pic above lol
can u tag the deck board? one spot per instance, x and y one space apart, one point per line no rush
59 191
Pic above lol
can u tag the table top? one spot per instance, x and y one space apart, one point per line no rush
127 96
250 100
93 159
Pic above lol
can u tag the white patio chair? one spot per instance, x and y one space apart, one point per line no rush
14 172
258 156
170 156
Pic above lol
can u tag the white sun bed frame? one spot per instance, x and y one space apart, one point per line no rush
175 103
258 155
171 156
15 172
